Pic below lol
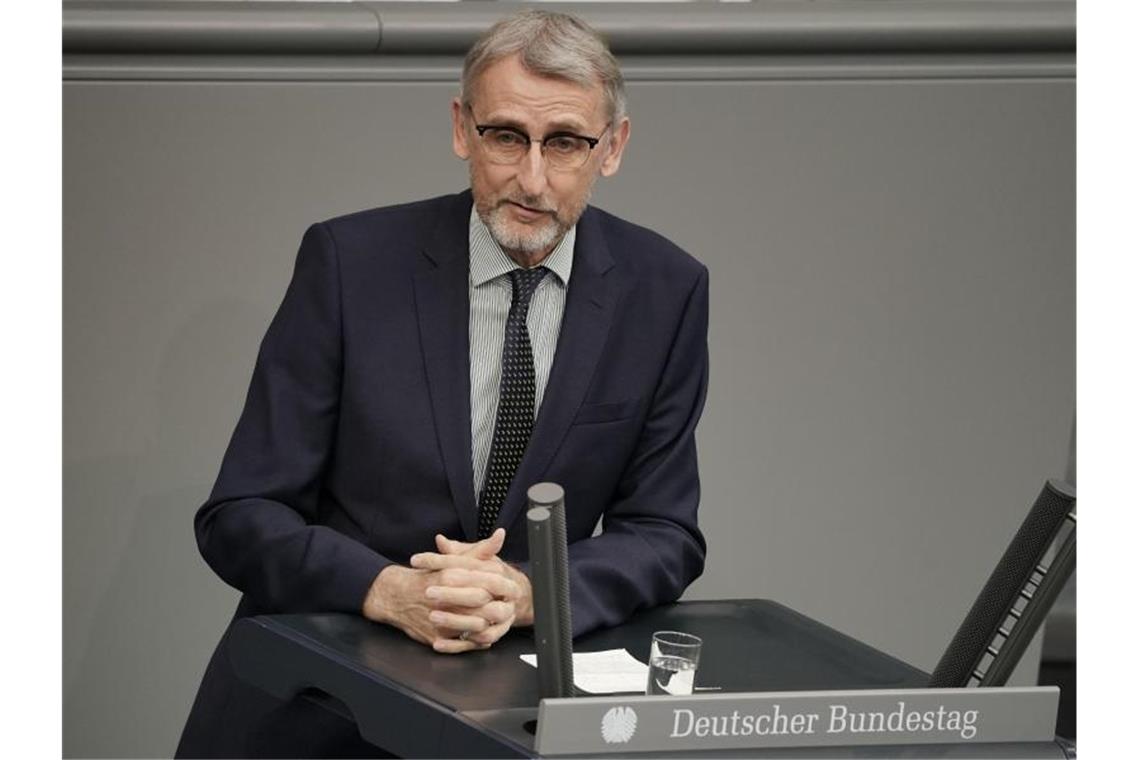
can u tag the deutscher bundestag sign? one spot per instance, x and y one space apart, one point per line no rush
796 719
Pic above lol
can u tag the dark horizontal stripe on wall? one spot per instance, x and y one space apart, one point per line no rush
777 27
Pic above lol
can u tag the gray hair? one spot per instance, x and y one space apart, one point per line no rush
553 45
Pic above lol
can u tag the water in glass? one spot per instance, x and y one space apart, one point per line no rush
671 675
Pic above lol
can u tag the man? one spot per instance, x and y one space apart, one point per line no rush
432 361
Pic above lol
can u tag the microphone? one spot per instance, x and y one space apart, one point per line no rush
994 625
550 583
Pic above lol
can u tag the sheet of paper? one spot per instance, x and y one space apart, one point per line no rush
609 672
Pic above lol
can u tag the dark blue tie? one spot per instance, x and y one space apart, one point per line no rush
515 416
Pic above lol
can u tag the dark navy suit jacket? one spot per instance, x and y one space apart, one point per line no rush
354 446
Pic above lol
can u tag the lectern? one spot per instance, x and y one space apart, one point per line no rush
416 703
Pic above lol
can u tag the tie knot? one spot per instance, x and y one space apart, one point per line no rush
524 282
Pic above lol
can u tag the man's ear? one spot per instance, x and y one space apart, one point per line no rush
612 160
458 133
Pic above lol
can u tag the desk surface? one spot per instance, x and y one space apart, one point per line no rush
414 702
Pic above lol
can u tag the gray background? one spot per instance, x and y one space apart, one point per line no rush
890 235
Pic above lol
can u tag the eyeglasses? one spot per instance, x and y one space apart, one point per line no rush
563 151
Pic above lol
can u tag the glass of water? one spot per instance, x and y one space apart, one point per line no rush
673 660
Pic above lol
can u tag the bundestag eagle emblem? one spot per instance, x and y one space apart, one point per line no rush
618 725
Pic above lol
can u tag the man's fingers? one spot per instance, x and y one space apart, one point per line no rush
490 546
448 596
455 646
433 561
496 612
458 633
485 549
455 570
458 622
492 634
446 545
497 584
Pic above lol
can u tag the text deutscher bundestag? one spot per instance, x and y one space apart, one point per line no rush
837 719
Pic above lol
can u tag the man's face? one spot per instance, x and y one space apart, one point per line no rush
528 206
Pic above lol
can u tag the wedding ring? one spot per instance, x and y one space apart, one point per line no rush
463 636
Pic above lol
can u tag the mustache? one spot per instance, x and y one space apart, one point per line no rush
535 203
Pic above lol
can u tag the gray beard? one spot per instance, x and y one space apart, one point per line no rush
537 240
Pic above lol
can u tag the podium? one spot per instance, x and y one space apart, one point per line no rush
413 702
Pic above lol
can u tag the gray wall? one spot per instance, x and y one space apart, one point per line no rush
886 208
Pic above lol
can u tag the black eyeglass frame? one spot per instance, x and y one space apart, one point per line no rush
591 141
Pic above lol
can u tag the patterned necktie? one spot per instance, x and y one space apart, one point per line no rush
515 416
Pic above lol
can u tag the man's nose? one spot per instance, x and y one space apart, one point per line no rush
532 171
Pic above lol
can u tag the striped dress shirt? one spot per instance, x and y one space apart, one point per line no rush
490 299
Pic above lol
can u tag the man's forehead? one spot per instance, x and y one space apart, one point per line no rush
507 90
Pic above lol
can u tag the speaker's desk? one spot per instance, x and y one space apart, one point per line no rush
411 701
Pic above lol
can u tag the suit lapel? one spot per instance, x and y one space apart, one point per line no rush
590 304
442 310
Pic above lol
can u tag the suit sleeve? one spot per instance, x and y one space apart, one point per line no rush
650 548
258 531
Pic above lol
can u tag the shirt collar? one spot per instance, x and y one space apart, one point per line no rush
488 260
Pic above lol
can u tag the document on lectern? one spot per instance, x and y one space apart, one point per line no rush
607 672
796 719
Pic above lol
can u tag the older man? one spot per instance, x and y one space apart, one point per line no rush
431 361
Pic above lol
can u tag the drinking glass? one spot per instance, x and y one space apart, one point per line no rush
673 660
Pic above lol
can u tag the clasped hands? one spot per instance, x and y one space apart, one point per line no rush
461 598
